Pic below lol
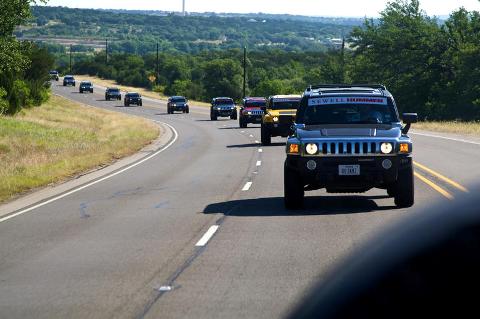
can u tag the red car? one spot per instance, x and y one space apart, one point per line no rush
252 111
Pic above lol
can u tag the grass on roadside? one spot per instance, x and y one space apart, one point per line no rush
60 139
469 128
142 91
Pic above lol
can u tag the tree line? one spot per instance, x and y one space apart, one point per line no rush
430 67
24 66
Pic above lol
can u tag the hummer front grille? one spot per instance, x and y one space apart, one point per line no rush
343 148
256 112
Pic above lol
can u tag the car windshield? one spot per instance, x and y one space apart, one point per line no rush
350 113
133 95
255 103
178 100
69 78
86 83
113 90
224 102
53 72
285 104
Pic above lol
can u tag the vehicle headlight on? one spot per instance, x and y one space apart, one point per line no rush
174 104
249 113
275 118
386 148
311 148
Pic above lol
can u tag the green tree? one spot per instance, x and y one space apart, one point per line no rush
223 77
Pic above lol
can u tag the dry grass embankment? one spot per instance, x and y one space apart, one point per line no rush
142 91
61 139
463 128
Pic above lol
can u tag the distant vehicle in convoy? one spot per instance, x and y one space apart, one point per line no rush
177 103
113 94
223 107
132 98
85 86
68 80
279 116
251 111
349 139
54 75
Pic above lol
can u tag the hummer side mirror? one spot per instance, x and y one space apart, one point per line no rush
409 118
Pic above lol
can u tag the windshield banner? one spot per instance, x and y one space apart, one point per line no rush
347 100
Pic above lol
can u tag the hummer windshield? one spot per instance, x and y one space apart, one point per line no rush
255 103
348 110
224 102
285 104
113 90
133 95
178 100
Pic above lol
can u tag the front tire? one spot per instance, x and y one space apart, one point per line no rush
405 188
243 123
265 135
234 116
213 116
294 193
188 110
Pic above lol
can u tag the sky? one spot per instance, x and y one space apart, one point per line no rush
326 8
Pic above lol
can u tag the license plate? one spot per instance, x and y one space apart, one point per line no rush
348 170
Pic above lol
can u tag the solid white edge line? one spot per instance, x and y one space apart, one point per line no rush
247 186
51 200
446 138
260 150
258 142
206 237
259 163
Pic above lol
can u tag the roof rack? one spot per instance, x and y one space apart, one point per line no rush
346 86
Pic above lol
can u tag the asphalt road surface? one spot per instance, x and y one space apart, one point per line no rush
200 230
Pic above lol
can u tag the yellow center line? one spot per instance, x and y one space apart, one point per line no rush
440 176
434 186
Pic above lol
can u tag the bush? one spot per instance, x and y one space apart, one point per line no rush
3 102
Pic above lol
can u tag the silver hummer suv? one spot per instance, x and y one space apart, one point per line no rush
349 139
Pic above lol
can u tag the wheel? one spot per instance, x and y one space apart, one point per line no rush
391 190
107 98
188 110
127 104
119 98
265 135
213 116
184 111
140 104
233 116
243 123
294 192
405 188
91 91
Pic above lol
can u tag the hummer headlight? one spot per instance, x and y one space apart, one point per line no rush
386 148
275 118
311 148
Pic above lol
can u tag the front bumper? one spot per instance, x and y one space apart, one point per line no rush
278 129
256 119
133 101
326 174
224 113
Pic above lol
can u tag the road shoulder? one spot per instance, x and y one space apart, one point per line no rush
166 136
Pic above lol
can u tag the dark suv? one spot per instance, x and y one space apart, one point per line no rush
349 139
223 107
85 86
113 94
68 80
133 98
177 103
54 75
252 111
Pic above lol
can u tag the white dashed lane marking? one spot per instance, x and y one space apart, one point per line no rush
206 237
260 150
247 186
259 163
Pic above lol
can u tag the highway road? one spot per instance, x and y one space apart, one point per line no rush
200 231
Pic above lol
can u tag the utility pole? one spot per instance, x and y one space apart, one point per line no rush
244 70
183 7
343 59
106 51
70 59
157 68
